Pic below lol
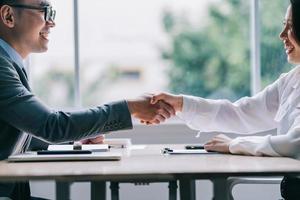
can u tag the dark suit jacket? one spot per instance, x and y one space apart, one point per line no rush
21 111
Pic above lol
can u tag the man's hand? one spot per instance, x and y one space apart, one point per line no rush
150 113
97 140
219 143
176 101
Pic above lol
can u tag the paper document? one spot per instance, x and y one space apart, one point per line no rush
186 151
91 147
96 156
117 142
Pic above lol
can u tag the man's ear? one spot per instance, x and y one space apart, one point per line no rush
7 16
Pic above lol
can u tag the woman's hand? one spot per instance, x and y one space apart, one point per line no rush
176 101
219 143
150 113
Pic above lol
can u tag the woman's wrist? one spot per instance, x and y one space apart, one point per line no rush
179 103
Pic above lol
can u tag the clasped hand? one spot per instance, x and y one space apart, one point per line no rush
154 109
150 112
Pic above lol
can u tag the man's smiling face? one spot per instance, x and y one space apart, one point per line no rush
31 30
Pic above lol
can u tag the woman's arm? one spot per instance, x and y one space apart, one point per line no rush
280 145
252 145
245 116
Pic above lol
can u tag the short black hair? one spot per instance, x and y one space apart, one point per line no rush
295 6
3 2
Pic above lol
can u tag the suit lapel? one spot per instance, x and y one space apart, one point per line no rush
24 139
19 67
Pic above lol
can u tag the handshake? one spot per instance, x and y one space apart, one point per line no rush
155 108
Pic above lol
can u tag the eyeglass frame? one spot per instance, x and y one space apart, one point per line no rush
49 13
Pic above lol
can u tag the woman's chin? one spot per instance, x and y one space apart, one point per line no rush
293 59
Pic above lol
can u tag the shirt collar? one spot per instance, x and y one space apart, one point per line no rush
12 53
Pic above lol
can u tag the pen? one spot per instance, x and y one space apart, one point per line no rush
55 152
192 147
166 150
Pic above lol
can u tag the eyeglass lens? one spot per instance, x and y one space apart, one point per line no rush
50 14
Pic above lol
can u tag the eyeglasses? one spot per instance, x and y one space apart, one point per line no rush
48 10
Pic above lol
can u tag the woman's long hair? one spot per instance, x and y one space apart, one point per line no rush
295 5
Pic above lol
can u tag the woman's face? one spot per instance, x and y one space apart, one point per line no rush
292 48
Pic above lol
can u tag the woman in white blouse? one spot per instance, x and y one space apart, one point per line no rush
276 107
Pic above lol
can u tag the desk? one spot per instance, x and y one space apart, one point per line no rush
150 165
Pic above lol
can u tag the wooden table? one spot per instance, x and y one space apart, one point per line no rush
150 165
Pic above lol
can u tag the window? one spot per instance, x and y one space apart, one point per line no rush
131 47
194 47
273 57
52 73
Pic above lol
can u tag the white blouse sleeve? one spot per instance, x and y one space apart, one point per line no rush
288 144
253 145
246 116
280 145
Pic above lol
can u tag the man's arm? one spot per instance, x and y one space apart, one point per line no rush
24 111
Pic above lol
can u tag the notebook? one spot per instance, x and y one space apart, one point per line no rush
91 147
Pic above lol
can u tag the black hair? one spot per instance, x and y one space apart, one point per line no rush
295 6
3 2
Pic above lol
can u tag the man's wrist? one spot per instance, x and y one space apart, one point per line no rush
131 106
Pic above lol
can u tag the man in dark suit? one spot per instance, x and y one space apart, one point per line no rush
24 29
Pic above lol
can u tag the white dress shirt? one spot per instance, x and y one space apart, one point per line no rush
276 107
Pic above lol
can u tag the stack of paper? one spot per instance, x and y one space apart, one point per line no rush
91 147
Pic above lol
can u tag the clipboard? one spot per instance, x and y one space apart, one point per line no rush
94 156
83 147
169 151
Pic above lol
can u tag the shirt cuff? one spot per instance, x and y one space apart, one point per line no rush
191 107
252 145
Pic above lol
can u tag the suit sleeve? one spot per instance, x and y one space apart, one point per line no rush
23 110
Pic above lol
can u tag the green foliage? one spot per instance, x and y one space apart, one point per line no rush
214 60
273 57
